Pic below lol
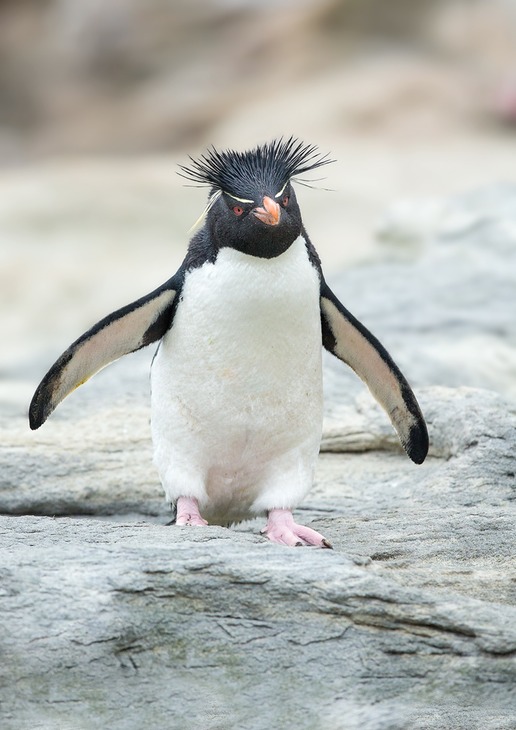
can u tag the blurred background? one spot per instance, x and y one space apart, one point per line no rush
99 102
132 77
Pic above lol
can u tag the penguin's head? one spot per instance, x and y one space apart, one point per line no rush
252 205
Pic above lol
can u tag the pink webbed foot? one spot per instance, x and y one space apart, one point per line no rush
282 529
187 512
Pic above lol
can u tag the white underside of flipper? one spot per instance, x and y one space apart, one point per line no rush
237 385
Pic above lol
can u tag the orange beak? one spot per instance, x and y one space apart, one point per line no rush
269 213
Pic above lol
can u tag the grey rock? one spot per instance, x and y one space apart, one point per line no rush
144 625
111 618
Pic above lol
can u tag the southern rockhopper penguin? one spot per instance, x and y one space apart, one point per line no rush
236 382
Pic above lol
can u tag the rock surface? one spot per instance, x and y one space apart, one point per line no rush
111 618
131 626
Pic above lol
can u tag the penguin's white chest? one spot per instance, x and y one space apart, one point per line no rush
237 382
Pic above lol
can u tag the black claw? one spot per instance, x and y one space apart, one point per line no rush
327 544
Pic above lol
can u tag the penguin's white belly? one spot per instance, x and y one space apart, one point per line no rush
237 385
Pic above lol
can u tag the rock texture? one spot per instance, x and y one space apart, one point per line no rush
111 618
139 626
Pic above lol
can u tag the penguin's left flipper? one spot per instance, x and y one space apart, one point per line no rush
126 330
348 339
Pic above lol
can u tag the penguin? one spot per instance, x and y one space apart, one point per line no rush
236 380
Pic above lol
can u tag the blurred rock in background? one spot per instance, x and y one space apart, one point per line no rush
133 76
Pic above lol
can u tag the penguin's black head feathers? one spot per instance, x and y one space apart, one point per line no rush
252 206
265 169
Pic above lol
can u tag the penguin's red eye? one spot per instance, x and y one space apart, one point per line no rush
285 200
238 210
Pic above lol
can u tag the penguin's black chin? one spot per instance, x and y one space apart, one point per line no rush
267 242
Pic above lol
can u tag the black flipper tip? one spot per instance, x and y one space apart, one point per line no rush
417 446
39 411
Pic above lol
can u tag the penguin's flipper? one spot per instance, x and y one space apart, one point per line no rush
126 330
346 338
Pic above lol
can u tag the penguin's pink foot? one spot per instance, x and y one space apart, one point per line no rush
187 512
282 529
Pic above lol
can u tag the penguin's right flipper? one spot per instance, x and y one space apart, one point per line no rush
126 330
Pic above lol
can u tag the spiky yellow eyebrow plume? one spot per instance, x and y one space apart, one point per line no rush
278 195
211 201
240 200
